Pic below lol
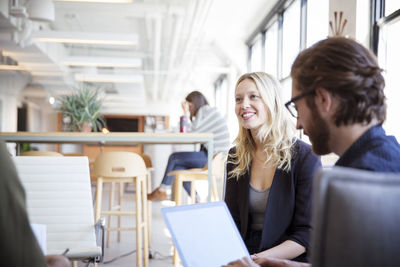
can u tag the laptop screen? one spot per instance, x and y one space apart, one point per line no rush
204 234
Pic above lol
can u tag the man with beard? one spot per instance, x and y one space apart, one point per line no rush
338 99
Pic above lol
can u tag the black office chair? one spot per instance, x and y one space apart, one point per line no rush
356 219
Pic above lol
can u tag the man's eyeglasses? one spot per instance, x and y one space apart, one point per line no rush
291 104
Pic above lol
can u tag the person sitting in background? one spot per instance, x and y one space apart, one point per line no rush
18 245
270 172
205 119
338 99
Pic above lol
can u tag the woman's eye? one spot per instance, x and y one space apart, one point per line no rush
237 99
254 96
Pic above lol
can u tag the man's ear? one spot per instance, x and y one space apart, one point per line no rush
323 99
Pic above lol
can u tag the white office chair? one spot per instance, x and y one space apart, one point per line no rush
59 196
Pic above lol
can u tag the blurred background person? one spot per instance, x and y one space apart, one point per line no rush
204 119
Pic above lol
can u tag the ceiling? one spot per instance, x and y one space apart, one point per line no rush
139 53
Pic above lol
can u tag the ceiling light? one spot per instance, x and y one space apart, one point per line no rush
108 78
86 38
41 10
46 73
97 1
103 62
11 67
52 100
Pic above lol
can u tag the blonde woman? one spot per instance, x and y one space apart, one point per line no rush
270 173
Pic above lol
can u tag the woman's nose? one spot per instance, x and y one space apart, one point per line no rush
245 103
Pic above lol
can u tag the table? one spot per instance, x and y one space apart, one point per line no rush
115 139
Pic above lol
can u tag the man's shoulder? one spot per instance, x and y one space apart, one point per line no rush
379 154
384 145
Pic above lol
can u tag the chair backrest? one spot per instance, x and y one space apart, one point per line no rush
218 171
59 195
147 160
119 164
42 153
356 219
218 164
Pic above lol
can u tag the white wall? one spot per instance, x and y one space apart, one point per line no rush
12 82
357 14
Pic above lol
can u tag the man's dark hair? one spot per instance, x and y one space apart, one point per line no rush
197 99
348 71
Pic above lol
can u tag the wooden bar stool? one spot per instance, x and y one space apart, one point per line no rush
123 189
192 175
124 167
149 166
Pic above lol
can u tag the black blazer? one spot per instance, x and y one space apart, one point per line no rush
288 212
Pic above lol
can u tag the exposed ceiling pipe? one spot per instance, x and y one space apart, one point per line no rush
197 36
156 54
136 10
174 47
193 17
192 43
187 31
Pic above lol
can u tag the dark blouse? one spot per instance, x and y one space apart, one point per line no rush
288 212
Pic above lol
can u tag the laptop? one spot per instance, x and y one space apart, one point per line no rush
204 234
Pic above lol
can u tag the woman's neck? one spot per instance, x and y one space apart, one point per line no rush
258 143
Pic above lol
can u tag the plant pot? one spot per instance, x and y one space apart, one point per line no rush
86 128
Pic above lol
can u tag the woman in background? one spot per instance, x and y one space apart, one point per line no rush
270 173
204 119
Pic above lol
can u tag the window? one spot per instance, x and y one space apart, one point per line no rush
391 6
386 41
256 55
221 95
271 50
291 37
389 56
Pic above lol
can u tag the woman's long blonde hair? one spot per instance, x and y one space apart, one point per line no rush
277 134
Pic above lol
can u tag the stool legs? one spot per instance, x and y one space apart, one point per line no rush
138 225
99 194
141 213
145 222
111 205
178 196
120 193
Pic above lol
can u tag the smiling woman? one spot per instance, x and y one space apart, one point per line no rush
269 173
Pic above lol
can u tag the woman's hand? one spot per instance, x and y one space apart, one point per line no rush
185 107
243 262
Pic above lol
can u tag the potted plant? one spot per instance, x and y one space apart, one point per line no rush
82 110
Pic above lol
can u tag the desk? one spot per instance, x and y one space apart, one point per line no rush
115 139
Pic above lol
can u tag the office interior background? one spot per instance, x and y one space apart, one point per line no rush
145 56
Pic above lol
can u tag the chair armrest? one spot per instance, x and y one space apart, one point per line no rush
99 231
